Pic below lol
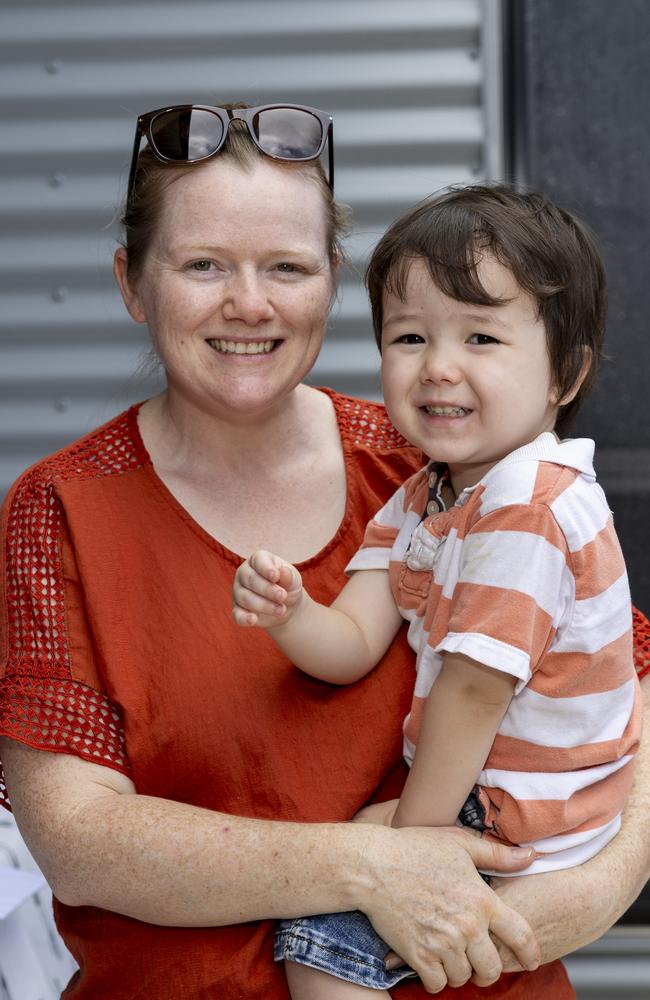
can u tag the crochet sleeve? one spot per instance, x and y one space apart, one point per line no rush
51 694
641 639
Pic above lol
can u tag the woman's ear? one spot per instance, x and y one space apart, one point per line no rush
129 292
582 374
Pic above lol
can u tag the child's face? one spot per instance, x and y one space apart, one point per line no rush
467 384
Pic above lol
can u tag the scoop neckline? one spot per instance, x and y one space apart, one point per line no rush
214 543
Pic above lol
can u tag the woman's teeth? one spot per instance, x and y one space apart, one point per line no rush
242 346
446 411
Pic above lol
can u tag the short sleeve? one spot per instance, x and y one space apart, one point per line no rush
51 695
388 534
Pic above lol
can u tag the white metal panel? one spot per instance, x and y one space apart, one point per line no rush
414 91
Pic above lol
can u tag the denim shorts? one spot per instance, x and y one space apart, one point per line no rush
346 945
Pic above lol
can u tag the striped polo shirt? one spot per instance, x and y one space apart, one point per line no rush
525 574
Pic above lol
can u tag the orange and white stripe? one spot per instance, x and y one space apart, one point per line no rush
525 574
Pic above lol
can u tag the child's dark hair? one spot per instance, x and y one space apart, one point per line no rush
552 256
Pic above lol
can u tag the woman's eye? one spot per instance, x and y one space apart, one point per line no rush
202 265
481 339
286 268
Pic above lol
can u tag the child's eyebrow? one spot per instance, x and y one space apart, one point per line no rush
486 317
399 317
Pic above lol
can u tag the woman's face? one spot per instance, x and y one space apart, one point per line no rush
236 286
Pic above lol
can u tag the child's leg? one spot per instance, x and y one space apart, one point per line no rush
312 984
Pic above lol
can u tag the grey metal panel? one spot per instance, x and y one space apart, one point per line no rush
415 95
616 966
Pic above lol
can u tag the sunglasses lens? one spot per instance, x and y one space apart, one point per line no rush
288 133
186 134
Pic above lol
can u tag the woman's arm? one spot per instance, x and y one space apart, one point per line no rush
460 720
101 844
339 644
569 909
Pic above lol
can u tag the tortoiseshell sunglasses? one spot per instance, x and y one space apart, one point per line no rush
189 133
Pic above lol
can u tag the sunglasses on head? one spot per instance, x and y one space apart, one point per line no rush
189 133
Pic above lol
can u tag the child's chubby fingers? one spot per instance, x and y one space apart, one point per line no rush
267 565
251 608
258 597
289 578
276 571
252 591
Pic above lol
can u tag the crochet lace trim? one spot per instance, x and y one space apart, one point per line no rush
62 716
40 703
641 642
365 423
35 593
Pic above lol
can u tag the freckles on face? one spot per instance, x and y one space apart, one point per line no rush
238 284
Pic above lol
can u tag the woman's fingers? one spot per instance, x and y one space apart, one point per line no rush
515 932
490 855
457 968
431 906
482 954
433 977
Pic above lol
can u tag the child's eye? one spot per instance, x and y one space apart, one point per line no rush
482 339
409 338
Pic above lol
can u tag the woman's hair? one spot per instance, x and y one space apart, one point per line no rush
152 178
551 255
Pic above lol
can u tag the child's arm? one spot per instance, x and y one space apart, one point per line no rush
460 720
339 644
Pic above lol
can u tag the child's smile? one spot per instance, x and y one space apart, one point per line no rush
467 384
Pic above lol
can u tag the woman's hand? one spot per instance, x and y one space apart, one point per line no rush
266 591
560 906
424 896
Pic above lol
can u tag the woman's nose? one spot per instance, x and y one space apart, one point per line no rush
246 300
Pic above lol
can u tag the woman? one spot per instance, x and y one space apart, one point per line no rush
150 746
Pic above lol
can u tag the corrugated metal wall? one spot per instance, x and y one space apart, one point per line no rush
414 88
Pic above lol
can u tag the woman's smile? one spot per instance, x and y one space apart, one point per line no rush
249 348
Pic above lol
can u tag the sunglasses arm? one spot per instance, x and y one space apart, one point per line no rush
134 159
330 153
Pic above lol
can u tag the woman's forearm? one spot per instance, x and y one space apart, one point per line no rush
571 908
165 862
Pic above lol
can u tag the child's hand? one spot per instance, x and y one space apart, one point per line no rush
266 592
377 814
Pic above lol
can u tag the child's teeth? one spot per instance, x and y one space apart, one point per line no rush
446 411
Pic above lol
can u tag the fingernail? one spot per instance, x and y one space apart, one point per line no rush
522 852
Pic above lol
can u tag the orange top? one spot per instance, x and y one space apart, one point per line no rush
117 648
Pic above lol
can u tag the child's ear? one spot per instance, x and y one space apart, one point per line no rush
582 374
